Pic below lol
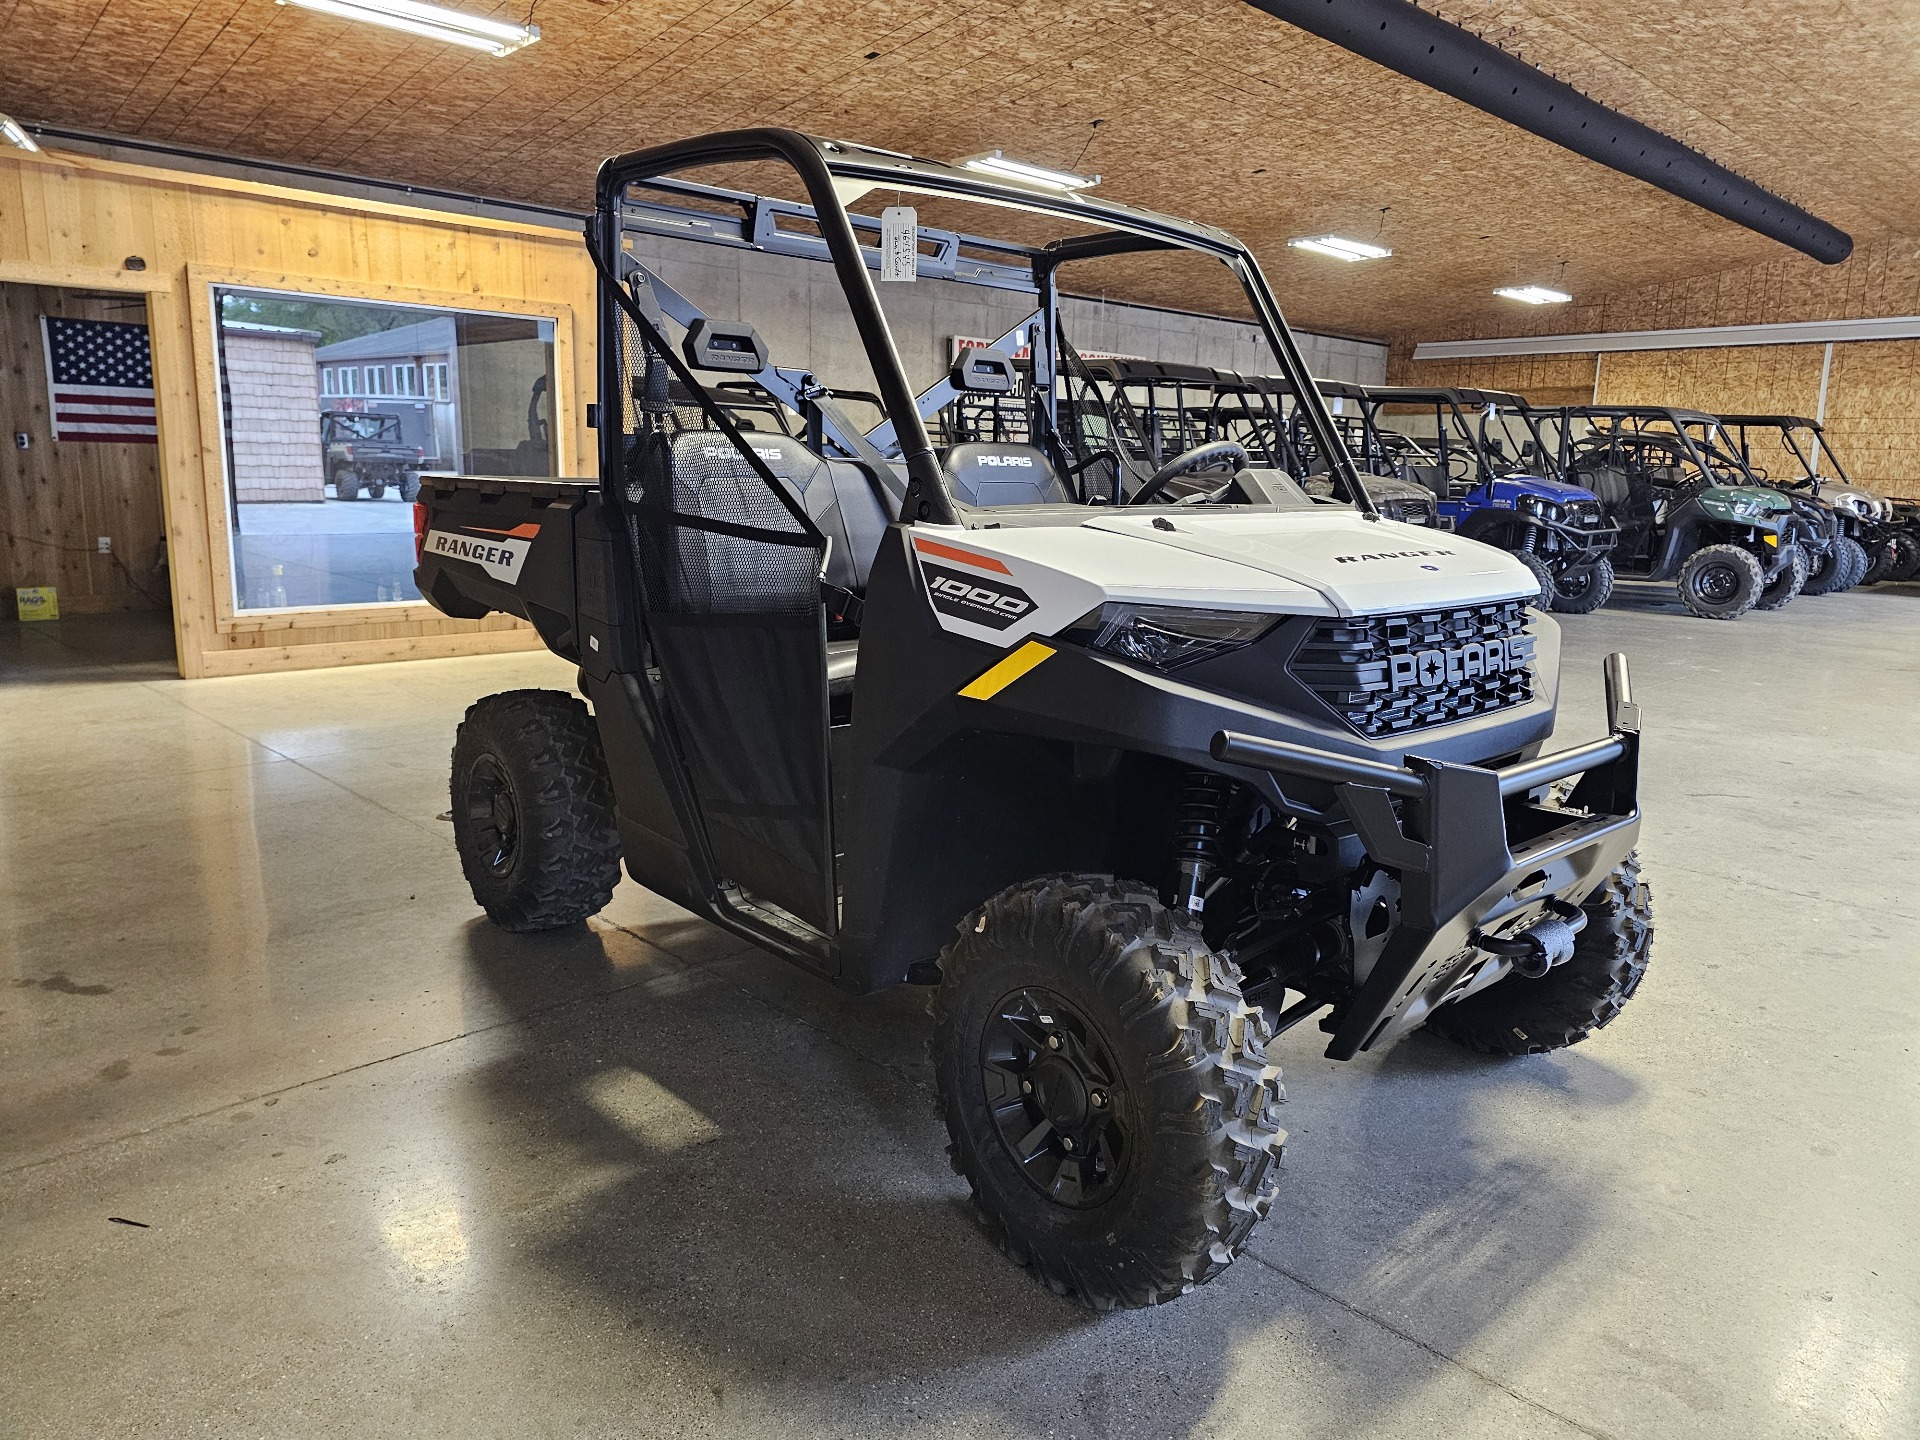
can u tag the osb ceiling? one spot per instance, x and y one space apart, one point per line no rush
1209 108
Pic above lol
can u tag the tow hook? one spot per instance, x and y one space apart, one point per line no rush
1542 945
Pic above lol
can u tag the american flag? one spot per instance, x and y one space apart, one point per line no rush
100 381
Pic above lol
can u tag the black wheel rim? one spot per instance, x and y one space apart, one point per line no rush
1716 583
1050 1084
1575 585
493 813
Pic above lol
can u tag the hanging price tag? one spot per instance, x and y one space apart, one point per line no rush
899 243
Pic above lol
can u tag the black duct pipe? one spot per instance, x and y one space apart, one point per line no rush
1426 48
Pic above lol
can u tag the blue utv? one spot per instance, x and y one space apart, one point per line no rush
1481 454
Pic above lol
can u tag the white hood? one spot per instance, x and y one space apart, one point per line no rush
1004 584
1360 566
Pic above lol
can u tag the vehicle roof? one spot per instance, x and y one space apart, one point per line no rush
1459 395
1665 412
1795 422
1345 389
892 168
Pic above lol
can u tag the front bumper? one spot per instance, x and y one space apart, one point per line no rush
1473 850
1575 545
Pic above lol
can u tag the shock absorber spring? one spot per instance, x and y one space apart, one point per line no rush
1197 838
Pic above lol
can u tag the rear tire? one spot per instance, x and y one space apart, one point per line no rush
1582 591
1780 591
1519 1016
1719 582
1541 574
409 487
1084 1026
533 815
346 484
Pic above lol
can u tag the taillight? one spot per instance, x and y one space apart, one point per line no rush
419 532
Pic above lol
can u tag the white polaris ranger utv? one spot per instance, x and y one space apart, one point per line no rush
1139 770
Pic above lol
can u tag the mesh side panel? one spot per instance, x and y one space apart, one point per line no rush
1348 663
686 469
738 631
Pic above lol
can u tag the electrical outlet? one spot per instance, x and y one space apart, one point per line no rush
22 440
104 544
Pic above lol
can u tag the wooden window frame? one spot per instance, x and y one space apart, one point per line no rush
202 281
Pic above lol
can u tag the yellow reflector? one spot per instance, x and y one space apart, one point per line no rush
992 681
1771 539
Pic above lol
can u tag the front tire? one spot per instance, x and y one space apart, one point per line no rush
1519 1016
1719 582
1582 591
1827 572
533 815
1541 574
1853 556
1105 1088
1907 564
1780 591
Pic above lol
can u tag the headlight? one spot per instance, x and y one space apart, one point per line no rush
1545 509
1167 636
1747 509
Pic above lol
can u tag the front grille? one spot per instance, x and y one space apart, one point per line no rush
1408 510
1584 513
1384 674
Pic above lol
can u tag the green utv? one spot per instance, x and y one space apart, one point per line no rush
1687 510
1136 767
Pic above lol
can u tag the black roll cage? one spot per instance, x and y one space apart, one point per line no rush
1786 425
820 163
1678 419
1460 399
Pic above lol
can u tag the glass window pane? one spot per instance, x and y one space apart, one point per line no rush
334 408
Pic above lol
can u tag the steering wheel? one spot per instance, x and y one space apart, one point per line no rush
1200 457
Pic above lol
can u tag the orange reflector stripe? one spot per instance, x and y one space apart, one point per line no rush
518 532
965 557
992 681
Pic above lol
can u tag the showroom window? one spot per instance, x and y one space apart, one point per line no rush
332 411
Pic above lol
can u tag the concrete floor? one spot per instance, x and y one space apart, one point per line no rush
398 1173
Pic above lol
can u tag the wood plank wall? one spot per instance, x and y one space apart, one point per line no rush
57 499
68 220
1873 388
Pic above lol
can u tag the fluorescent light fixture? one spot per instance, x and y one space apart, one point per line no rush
1005 168
1533 295
1340 248
430 22
16 134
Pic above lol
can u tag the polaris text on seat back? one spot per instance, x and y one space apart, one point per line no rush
1138 760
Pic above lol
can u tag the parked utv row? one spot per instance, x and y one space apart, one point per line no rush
1738 512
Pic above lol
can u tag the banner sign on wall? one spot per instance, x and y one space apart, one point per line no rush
99 381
